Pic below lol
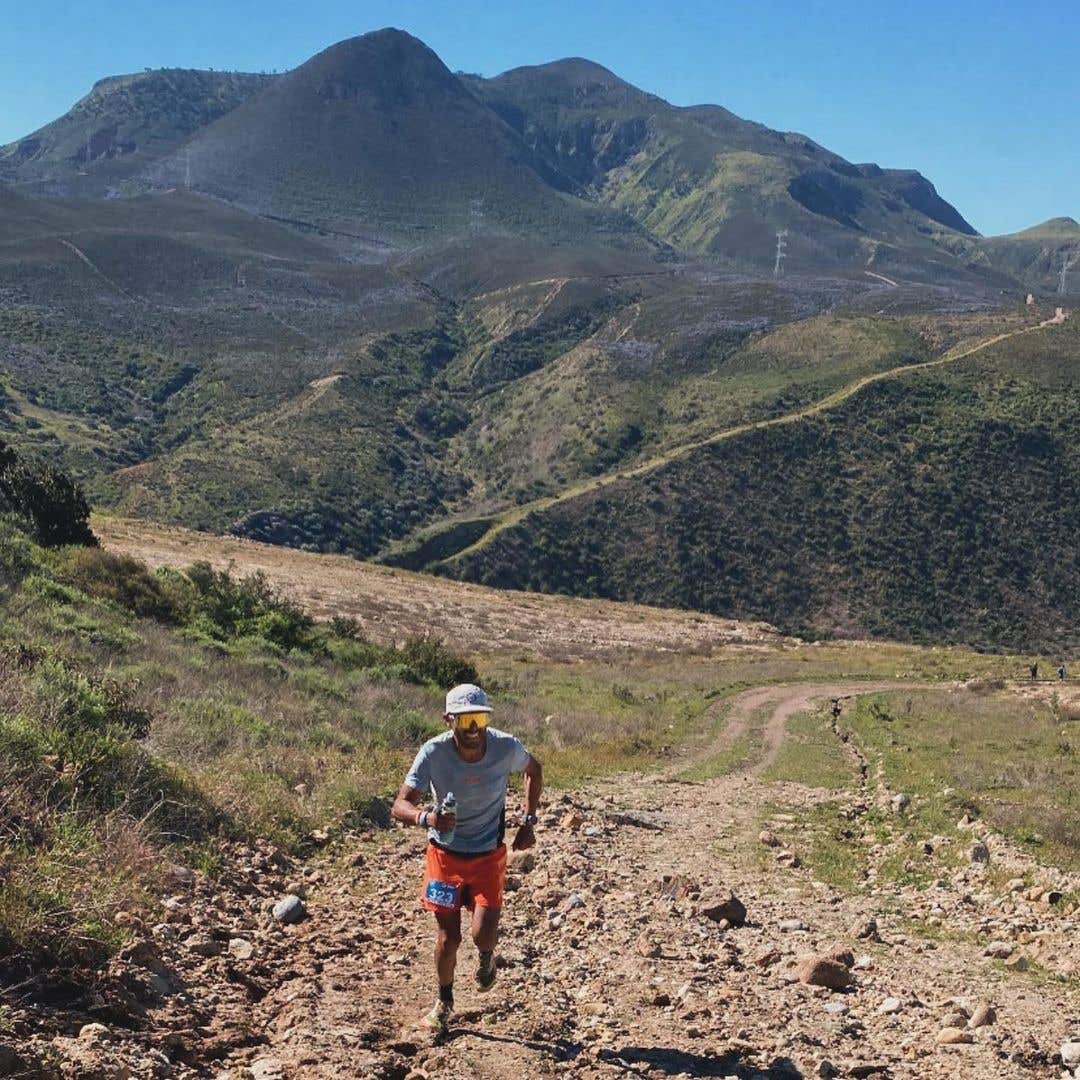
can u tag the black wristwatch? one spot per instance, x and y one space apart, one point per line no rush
529 819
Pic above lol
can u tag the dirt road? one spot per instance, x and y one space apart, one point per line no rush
610 965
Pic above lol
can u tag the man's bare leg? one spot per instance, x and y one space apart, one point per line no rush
447 941
485 928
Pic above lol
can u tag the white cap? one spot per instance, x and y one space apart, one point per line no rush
466 698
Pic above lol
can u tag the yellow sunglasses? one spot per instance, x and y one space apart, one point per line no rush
470 720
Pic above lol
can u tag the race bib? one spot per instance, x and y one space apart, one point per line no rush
442 894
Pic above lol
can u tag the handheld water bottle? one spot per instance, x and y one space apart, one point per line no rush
448 806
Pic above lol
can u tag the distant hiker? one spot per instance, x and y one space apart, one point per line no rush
1034 672
466 857
1061 672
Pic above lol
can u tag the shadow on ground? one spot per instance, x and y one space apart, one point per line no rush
672 1062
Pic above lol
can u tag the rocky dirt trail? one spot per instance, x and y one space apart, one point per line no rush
624 953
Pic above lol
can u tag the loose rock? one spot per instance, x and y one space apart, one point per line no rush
289 909
951 1036
241 949
867 931
822 971
717 906
1070 1054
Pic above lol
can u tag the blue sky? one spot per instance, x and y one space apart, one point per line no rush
983 98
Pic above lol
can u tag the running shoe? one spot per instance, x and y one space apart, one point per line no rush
439 1018
485 972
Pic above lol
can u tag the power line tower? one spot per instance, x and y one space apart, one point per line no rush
781 252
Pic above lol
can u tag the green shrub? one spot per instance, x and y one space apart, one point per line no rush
354 654
431 661
390 673
75 703
225 608
17 556
346 628
50 503
121 580
47 588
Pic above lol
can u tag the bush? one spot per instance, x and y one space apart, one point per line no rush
431 661
226 609
346 628
50 503
17 556
76 703
121 580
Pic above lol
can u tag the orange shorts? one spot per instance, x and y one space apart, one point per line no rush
451 882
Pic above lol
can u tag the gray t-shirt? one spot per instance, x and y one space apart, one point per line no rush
478 786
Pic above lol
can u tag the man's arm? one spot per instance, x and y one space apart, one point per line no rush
534 784
407 809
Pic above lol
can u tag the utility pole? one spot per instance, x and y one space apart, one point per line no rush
187 167
781 251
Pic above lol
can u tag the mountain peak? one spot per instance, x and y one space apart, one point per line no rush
1055 228
379 61
577 70
572 79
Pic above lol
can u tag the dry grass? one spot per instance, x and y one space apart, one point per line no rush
392 605
1007 755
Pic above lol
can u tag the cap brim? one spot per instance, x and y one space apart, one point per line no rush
469 709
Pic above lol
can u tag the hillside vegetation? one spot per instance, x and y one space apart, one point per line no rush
706 180
928 509
149 715
371 306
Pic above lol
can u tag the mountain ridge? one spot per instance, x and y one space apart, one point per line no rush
122 123
375 136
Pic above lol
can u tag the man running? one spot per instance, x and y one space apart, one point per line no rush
466 856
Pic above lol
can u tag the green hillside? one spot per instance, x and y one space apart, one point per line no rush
375 141
1033 257
149 718
934 508
371 306
708 181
